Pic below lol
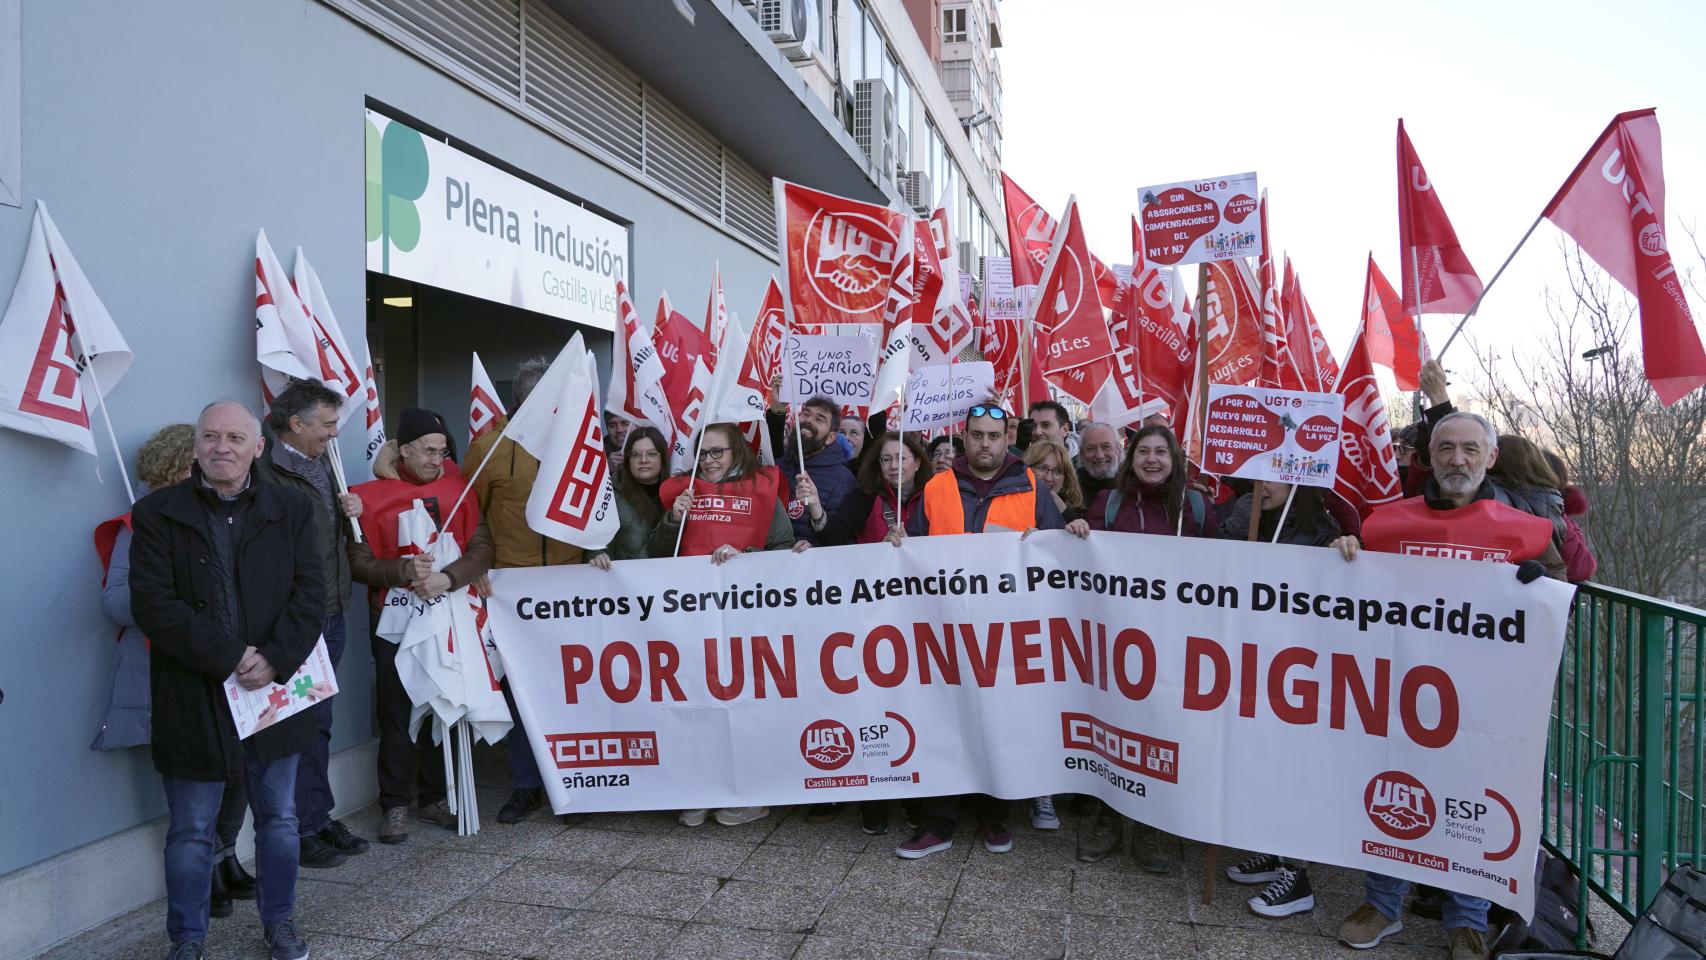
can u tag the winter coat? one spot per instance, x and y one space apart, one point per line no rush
177 589
124 719
331 529
502 489
1146 512
632 530
848 524
829 473
1577 549
1235 525
1092 486
1543 502
1013 478
1552 559
386 497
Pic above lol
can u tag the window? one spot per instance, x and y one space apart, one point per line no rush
903 117
11 102
825 38
856 43
954 25
873 67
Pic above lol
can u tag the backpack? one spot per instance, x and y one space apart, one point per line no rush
1673 928
1557 892
1199 510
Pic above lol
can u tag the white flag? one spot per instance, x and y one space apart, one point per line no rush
335 365
732 397
56 332
636 371
572 499
529 424
484 407
283 343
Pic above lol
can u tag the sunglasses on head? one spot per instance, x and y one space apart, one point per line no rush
986 410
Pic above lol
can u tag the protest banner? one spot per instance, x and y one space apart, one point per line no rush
1291 436
938 396
1388 714
840 368
1200 220
255 710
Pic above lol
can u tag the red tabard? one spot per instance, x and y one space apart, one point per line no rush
383 500
736 512
1484 530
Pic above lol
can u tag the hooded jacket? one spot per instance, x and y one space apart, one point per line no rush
830 474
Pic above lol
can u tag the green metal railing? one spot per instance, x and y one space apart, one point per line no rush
1625 787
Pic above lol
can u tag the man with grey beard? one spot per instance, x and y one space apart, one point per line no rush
1099 453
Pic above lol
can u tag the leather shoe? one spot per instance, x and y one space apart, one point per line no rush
522 801
238 882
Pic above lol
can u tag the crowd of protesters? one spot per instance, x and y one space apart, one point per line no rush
243 555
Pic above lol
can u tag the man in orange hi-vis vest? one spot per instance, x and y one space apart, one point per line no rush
986 490
1458 516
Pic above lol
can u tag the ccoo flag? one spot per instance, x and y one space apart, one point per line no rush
572 499
1613 205
484 407
1438 277
637 389
1368 461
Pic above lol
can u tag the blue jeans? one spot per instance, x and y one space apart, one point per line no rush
523 769
194 806
1461 910
313 783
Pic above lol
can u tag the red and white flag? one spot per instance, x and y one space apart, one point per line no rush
894 345
1030 237
685 352
484 407
1160 327
572 499
1368 462
1232 321
998 341
1438 277
838 255
941 328
1310 355
1279 371
637 389
54 334
1613 206
336 361
737 394
1072 332
284 343
1395 340
716 315
768 332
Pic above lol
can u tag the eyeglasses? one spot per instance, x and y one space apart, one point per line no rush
432 453
713 453
645 455
983 410
1049 470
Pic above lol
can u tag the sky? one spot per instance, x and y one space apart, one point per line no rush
1501 99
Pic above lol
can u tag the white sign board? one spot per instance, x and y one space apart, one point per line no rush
1291 436
1000 300
255 710
840 368
439 216
1201 220
938 396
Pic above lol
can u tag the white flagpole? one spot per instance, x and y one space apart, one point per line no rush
698 441
1283 512
101 401
337 460
1477 304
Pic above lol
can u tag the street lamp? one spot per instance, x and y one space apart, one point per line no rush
1600 353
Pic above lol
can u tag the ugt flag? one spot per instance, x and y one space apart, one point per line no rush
572 499
1395 338
1368 462
1438 277
55 333
1071 329
1613 205
838 255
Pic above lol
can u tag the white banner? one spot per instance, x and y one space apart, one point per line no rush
444 217
938 396
1291 436
1201 220
1387 714
843 369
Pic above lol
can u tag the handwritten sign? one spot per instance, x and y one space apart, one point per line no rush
939 396
1286 435
840 368
1201 220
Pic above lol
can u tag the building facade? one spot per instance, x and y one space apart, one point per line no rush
640 137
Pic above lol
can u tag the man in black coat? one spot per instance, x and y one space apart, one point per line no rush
226 580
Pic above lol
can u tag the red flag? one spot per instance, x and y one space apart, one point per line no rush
1232 322
1427 244
1278 368
683 348
1613 206
998 341
768 331
1030 237
839 255
1307 348
716 316
1394 338
1071 330
637 372
1368 463
1159 326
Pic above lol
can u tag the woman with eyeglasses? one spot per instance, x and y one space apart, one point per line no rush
638 508
1051 463
867 514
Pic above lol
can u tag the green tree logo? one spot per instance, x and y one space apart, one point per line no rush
396 178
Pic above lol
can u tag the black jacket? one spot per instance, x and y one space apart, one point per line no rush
174 594
332 529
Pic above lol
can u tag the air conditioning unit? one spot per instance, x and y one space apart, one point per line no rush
873 123
915 190
901 157
790 23
969 261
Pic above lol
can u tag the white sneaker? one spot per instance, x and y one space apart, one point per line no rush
735 816
1043 816
1254 870
694 818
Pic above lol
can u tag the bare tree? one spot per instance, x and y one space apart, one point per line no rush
1579 388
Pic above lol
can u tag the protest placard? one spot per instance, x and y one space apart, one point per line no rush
255 710
1291 436
938 396
840 368
1000 300
1388 714
1199 220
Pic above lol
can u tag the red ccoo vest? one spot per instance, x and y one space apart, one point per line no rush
1484 530
735 512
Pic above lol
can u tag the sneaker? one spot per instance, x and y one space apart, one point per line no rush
1146 850
437 812
1043 816
340 836
1258 869
395 826
1288 894
694 818
1467 944
522 801
996 839
317 854
1100 835
284 942
820 813
186 950
735 816
874 817
1366 927
921 846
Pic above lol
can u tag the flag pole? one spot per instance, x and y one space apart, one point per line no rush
1284 511
691 479
101 401
1477 304
337 461
1200 401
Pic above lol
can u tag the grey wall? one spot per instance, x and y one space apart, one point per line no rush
162 135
